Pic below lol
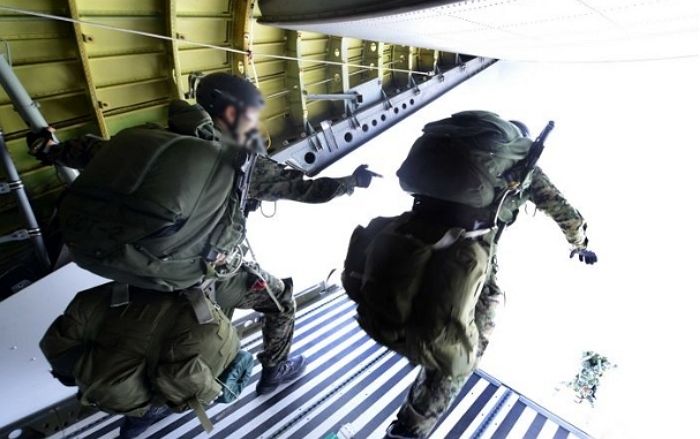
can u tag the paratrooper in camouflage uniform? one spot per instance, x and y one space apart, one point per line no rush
547 198
432 392
585 384
270 181
227 114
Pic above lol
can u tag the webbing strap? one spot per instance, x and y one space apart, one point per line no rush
456 233
196 406
120 295
198 299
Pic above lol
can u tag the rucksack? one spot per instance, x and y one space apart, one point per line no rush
152 206
461 159
124 357
416 285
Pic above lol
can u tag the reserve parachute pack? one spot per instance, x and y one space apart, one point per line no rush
416 285
154 208
462 159
149 349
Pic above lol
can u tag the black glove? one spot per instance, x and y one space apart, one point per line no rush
39 144
585 255
363 176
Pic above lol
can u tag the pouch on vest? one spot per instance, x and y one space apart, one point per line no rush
354 269
442 333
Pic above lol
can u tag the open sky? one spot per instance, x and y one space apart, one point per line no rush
625 152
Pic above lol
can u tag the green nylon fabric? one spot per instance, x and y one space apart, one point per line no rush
414 298
461 158
150 204
153 350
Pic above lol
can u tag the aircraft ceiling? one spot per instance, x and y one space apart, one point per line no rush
532 30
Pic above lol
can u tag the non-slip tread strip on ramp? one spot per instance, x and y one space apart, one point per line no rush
349 379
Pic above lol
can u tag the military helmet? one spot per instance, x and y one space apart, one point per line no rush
524 130
218 90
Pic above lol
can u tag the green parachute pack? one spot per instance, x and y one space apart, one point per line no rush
154 208
417 281
461 159
146 349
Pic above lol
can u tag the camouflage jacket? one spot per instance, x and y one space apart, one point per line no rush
271 181
547 198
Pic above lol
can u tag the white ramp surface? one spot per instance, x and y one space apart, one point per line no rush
350 381
27 386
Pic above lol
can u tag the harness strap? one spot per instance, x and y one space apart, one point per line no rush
199 298
196 406
455 234
120 295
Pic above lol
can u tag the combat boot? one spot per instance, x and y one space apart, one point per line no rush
272 377
398 431
134 426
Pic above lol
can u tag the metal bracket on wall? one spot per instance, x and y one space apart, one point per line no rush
346 135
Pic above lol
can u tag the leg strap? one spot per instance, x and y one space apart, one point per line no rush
201 415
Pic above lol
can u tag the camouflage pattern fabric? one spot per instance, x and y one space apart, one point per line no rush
490 299
246 290
585 384
551 201
547 198
428 398
272 181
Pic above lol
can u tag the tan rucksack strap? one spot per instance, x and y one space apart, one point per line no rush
201 414
455 234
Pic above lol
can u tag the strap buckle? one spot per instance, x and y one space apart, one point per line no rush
120 295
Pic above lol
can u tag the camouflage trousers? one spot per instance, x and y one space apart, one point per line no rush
428 398
432 392
491 298
246 290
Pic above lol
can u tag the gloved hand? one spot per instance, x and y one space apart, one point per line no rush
235 377
363 176
584 255
40 142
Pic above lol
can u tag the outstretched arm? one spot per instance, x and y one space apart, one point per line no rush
550 200
272 181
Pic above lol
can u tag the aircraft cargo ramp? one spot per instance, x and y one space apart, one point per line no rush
350 382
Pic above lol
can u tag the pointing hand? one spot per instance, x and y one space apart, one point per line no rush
363 176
